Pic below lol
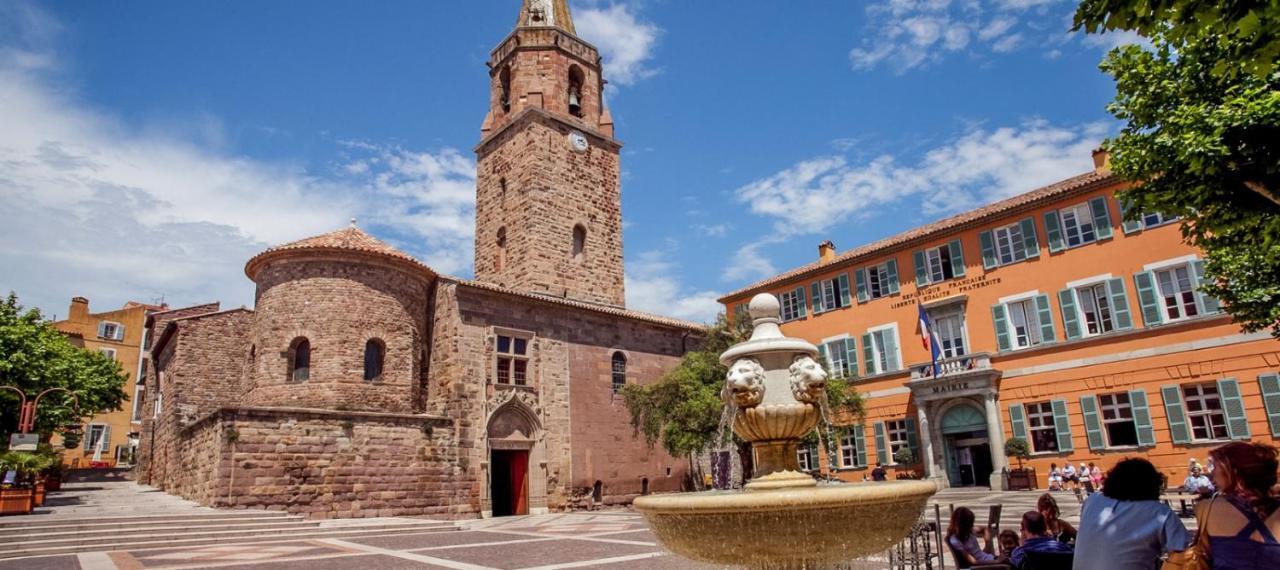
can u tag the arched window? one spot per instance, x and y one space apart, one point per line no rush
575 90
644 486
300 360
619 371
504 83
374 352
579 242
500 256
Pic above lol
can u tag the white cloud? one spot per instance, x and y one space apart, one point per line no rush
626 43
651 287
976 168
713 230
749 263
1111 40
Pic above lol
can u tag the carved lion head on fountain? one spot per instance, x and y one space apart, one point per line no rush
808 379
744 385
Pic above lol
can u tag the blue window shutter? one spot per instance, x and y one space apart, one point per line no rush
1127 225
1029 241
804 305
868 354
1070 316
1233 408
988 244
1101 217
1142 418
1053 229
957 257
1208 303
1001 326
851 356
889 340
882 447
922 270
1270 387
1018 420
843 282
1119 304
1175 413
913 438
88 435
1092 423
859 442
891 268
815 297
106 440
1044 312
1062 425
1147 299
860 282
826 358
102 330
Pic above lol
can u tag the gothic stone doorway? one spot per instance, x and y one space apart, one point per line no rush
509 482
967 446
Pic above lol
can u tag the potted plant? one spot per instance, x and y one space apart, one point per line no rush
52 475
17 498
1020 478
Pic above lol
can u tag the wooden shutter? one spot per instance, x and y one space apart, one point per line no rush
88 435
891 268
1053 229
1070 316
1092 423
1207 303
815 298
889 341
1142 418
860 443
843 282
988 243
1018 420
922 269
913 438
851 357
1269 384
804 305
1044 314
1127 225
1233 408
868 354
1119 304
860 283
1062 425
1101 217
105 441
102 330
826 358
1147 298
957 257
1175 414
1001 326
1030 242
882 448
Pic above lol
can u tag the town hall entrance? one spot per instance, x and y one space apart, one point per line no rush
509 482
967 446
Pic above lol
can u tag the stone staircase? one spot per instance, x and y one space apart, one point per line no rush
121 515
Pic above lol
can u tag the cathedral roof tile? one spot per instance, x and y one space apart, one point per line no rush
348 239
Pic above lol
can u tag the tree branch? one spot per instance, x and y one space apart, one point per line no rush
1262 190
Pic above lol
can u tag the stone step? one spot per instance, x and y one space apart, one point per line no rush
171 527
100 540
77 519
148 542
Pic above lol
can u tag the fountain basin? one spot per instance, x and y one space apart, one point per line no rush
797 527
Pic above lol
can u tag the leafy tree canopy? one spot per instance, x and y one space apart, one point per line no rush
34 357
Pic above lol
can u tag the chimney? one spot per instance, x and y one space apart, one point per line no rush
1101 161
826 252
79 310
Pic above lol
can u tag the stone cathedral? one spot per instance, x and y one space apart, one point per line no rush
363 383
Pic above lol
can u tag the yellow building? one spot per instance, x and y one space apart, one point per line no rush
120 334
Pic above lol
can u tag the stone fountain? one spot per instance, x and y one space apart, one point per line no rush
782 518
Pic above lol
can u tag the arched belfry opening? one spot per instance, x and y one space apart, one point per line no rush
576 79
504 86
517 485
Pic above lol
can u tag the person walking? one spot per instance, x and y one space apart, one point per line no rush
1239 527
1126 526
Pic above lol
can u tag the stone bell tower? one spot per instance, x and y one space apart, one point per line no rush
548 198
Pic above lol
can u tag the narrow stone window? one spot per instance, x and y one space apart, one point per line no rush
575 90
500 256
579 242
299 360
619 371
374 352
644 486
597 492
504 83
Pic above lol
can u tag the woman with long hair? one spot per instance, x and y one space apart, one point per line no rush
1126 525
963 539
1058 528
1238 527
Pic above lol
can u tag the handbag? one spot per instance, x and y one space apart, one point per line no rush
1196 556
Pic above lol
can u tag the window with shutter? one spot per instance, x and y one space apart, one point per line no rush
1269 385
1204 412
1010 244
791 305
1117 419
1077 225
1041 427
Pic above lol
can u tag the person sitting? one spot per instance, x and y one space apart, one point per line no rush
1035 539
1238 528
962 538
1095 476
1069 476
1055 477
1009 541
1197 484
1126 525
1058 528
878 474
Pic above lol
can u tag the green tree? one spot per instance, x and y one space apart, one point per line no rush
1201 138
34 357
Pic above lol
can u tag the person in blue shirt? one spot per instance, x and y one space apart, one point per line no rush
1035 538
1126 526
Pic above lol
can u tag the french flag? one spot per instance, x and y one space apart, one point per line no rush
928 340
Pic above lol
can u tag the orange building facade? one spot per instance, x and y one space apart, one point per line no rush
1058 323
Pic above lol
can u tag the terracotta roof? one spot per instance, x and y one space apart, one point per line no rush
348 239
611 310
1081 182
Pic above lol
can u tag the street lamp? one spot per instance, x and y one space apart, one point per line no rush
27 415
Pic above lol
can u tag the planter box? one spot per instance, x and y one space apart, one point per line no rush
38 497
16 501
53 481
1022 479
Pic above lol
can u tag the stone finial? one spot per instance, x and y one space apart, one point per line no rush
353 222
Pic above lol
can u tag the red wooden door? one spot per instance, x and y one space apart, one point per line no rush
518 465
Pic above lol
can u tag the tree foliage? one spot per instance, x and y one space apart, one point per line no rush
1202 136
34 357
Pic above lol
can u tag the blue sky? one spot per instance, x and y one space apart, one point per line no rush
148 149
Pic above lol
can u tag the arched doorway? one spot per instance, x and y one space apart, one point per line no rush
512 434
967 446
